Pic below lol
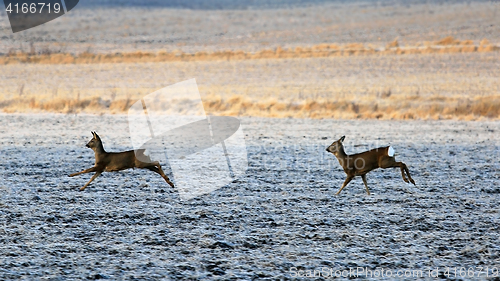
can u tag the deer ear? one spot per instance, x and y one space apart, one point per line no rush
342 138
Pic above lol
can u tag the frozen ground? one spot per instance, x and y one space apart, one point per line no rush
282 214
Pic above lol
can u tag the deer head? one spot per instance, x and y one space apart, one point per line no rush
94 142
336 146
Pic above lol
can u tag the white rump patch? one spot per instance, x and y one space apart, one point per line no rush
390 152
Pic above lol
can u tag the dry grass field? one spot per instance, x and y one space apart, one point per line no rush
401 60
461 86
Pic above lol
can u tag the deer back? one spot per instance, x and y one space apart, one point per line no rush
361 163
116 161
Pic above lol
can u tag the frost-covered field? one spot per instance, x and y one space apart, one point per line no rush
281 217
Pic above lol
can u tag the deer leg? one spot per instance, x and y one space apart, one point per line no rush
154 169
90 170
389 162
401 165
165 176
157 169
408 173
91 179
366 184
349 179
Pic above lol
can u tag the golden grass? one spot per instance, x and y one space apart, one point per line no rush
434 86
445 45
384 107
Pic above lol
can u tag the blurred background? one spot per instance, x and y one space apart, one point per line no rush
298 58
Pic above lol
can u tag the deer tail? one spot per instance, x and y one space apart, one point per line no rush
390 151
139 153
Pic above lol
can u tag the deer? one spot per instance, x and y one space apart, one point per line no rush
361 163
117 161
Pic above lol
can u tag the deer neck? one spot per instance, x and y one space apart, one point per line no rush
341 155
99 150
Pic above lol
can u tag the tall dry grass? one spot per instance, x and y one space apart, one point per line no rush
412 107
420 86
444 46
380 106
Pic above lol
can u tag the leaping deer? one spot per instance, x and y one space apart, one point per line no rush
361 163
117 161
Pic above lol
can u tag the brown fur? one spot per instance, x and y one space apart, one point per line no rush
361 163
116 161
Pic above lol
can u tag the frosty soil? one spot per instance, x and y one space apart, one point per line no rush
282 214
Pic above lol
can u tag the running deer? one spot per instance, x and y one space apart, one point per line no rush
117 161
361 163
